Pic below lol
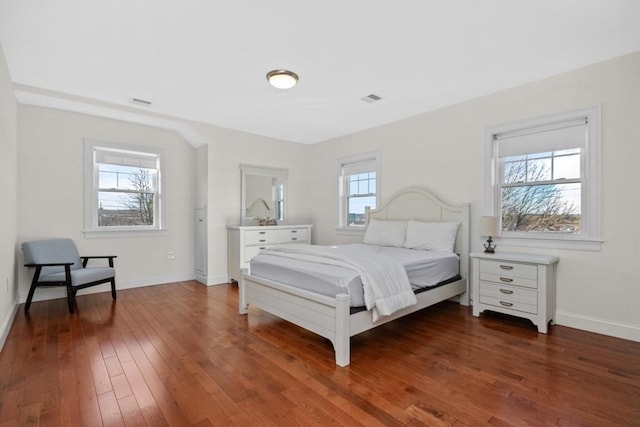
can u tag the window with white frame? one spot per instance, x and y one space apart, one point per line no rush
543 177
123 186
358 188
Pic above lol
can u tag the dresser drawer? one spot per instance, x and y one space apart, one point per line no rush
260 237
509 293
293 235
251 251
509 273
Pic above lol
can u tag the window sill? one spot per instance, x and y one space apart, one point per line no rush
351 230
98 234
532 242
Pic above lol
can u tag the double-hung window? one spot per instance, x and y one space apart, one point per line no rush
543 178
123 186
358 188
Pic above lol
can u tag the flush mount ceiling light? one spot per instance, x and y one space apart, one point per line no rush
282 79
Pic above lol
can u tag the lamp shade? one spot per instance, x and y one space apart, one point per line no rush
489 226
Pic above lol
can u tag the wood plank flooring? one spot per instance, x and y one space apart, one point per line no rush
180 355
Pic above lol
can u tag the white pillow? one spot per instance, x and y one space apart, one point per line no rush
432 236
385 233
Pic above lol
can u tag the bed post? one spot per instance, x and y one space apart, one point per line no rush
342 345
243 306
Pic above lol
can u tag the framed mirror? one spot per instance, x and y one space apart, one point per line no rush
263 193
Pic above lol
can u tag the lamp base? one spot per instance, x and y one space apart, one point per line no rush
489 247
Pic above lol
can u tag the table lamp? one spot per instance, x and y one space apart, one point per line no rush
489 228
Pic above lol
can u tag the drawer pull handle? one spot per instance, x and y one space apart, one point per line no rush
262 247
506 279
262 232
294 231
294 238
506 304
506 291
261 241
506 267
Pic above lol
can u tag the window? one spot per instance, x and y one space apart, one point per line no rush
359 180
123 186
543 178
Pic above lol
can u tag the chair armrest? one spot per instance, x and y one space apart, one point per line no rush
86 259
57 264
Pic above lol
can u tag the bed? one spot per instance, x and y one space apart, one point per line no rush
333 317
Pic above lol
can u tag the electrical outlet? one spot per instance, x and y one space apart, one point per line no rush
171 255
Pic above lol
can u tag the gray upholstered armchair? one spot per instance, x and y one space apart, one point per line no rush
58 263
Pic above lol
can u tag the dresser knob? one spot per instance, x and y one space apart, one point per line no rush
506 267
506 304
506 291
506 279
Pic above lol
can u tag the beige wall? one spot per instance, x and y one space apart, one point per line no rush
444 150
8 199
51 202
227 149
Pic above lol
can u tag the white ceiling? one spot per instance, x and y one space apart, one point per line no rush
206 61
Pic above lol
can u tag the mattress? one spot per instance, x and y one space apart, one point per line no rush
424 269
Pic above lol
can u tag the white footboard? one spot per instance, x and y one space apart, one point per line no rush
325 316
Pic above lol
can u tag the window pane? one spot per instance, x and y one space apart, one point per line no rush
117 209
356 209
554 208
125 178
567 167
514 171
539 170
362 184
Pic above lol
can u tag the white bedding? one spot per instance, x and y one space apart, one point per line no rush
423 269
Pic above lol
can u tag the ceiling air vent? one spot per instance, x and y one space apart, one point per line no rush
371 98
140 101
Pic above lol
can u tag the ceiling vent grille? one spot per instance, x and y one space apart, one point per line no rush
371 98
140 101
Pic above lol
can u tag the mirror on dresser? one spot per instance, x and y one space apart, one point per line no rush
263 193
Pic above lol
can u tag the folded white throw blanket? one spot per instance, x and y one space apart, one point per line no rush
386 285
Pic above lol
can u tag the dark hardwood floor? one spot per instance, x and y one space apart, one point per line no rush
179 354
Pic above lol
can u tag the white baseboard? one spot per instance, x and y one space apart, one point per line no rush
6 325
217 280
599 326
44 294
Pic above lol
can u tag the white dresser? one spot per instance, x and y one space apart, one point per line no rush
244 242
522 285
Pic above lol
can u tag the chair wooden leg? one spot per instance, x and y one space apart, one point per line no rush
32 289
27 304
71 299
113 288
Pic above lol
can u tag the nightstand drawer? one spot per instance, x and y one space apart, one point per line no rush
511 305
260 237
509 273
510 269
509 293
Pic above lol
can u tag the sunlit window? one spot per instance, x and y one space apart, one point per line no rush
358 188
544 180
123 188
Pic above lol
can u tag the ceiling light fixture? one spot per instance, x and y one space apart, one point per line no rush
282 79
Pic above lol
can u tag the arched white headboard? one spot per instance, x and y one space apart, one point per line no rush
420 204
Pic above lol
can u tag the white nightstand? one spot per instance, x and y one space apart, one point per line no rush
522 285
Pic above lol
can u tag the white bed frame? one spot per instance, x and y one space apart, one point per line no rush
330 317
